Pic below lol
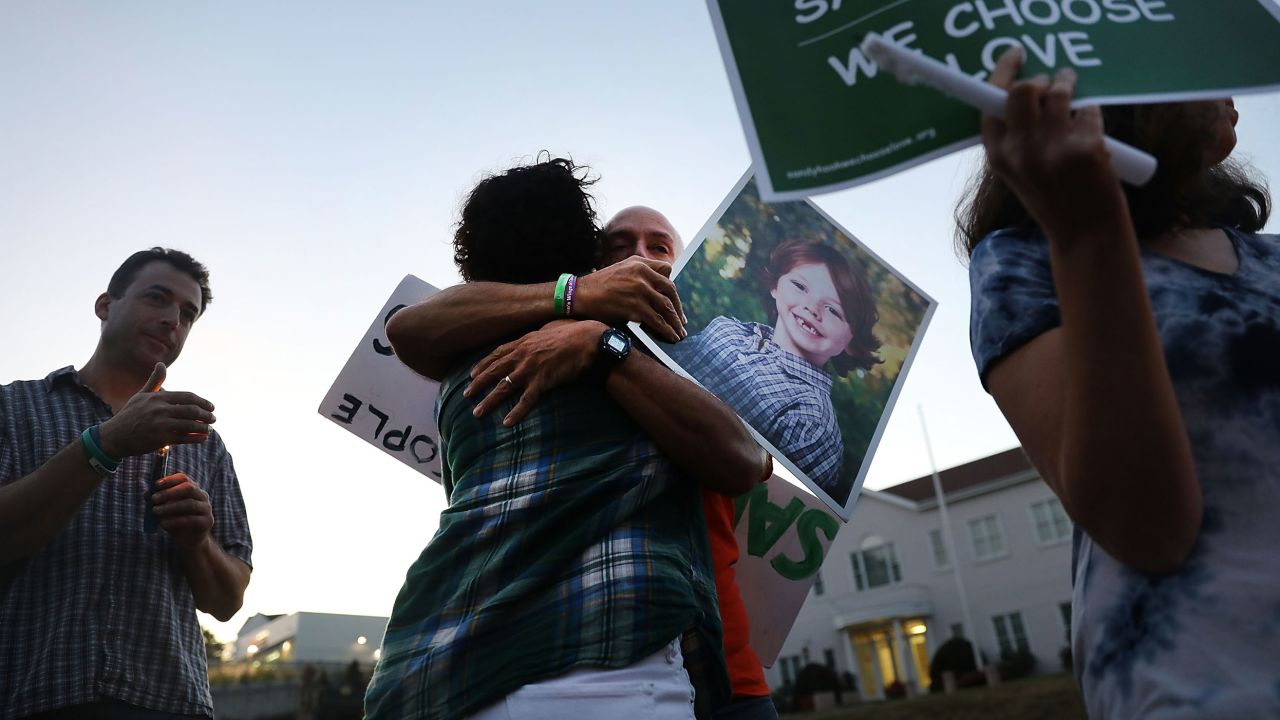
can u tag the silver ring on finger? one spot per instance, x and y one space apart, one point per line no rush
510 383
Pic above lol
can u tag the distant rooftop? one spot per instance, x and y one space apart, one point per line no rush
963 477
256 620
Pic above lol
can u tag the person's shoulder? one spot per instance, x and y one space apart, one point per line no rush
722 331
1012 295
28 388
21 387
1011 244
723 324
1269 241
459 376
215 440
1010 256
214 447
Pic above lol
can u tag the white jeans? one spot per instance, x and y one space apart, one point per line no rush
655 688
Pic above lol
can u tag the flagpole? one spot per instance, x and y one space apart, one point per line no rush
951 546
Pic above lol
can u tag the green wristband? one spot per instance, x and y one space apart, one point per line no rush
104 464
561 284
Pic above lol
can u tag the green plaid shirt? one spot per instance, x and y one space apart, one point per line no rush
569 541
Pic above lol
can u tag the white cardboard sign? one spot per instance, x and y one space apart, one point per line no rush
380 400
783 536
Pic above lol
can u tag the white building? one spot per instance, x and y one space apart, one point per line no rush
887 595
309 638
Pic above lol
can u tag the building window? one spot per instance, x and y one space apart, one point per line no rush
940 559
1052 523
1065 610
957 630
1011 636
790 669
875 565
817 583
829 657
988 538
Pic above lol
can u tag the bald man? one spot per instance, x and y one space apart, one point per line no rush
632 285
643 232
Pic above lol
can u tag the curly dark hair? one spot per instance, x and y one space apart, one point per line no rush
856 298
123 277
529 224
1183 193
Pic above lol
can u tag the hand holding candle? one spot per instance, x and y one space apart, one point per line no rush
159 469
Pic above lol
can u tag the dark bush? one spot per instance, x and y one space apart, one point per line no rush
1016 664
815 678
954 655
895 690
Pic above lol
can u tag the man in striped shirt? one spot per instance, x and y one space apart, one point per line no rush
108 547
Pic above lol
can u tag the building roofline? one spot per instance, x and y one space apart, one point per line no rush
892 499
983 489
962 482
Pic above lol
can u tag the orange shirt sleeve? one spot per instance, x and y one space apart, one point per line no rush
745 671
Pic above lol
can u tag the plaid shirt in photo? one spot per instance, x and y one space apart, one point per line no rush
786 398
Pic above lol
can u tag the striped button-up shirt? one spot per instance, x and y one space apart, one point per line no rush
103 611
569 542
784 397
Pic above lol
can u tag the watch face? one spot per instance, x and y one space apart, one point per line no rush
615 345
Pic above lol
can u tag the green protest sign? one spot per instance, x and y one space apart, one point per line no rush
820 116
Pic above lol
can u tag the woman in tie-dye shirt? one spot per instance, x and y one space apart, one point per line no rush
1131 336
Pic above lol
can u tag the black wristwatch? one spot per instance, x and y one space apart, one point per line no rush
615 346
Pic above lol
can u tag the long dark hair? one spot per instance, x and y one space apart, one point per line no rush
529 224
856 298
1183 193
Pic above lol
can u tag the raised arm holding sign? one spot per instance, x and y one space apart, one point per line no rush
1127 334
1131 164
820 115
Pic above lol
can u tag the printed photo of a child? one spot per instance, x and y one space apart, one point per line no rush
800 329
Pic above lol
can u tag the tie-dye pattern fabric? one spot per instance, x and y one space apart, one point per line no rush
1203 642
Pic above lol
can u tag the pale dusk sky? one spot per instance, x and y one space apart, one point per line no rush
313 153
